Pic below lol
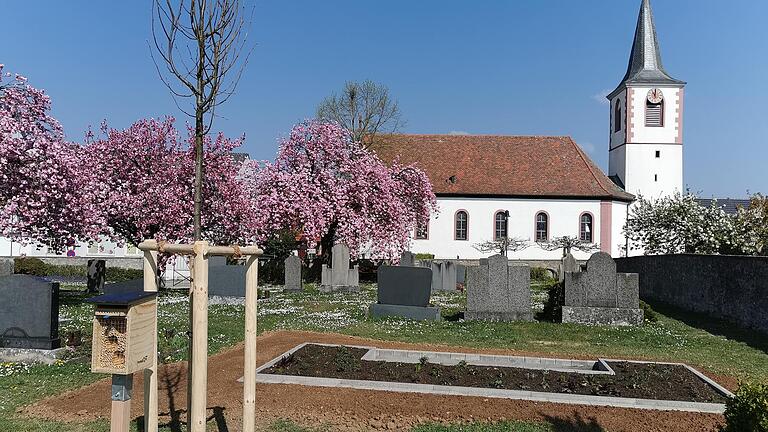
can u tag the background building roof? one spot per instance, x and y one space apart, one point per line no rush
730 206
508 166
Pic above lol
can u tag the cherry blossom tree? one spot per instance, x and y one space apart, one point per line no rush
40 173
328 188
143 181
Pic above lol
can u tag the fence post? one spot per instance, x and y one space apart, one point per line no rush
199 360
249 364
150 374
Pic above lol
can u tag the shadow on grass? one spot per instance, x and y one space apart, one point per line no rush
574 423
715 326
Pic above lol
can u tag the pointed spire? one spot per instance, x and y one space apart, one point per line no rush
645 64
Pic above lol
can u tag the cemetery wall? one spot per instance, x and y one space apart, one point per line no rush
732 288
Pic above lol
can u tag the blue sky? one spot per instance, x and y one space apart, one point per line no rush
532 67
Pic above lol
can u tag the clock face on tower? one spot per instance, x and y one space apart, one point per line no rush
655 96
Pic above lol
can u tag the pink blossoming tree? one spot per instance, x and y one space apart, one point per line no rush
40 173
143 182
329 189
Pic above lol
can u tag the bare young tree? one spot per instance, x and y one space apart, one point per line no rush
567 244
202 45
365 109
502 245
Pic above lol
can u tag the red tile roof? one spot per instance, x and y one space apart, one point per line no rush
519 166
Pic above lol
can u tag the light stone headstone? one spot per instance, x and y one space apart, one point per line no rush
293 274
497 291
6 266
339 277
443 276
407 259
599 295
568 265
29 313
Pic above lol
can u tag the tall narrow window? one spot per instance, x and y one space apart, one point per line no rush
617 116
462 225
654 114
500 225
422 231
585 232
542 227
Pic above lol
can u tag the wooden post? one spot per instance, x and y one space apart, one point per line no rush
199 360
150 374
120 420
249 366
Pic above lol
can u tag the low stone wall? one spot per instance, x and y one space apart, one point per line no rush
732 288
121 262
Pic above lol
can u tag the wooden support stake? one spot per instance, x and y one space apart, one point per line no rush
249 366
120 420
199 359
150 374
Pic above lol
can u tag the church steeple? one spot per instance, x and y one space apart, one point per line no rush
645 66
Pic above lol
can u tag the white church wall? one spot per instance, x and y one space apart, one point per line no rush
618 137
653 176
618 241
564 217
639 132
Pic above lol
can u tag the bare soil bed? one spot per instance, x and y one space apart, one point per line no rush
632 380
340 409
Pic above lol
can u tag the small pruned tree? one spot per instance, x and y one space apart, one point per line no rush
364 109
502 245
202 45
568 244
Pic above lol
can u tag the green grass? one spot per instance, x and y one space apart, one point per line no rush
742 355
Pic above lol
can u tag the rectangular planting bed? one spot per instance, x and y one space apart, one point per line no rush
604 382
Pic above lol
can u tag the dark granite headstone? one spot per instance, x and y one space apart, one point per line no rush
129 286
225 280
29 313
405 292
97 275
293 274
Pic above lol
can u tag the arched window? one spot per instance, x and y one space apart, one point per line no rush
585 228
500 225
617 116
462 225
542 227
654 114
422 231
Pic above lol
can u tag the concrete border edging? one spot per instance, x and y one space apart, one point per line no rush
650 404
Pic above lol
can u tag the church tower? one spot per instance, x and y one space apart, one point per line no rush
646 135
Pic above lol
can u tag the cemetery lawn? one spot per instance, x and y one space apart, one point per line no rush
739 356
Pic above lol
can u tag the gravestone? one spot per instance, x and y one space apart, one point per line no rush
6 266
443 276
568 265
339 277
97 275
293 274
497 291
407 259
599 295
29 313
225 280
129 286
404 292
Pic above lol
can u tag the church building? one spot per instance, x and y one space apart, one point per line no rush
536 188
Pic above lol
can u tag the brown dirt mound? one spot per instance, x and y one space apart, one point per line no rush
349 409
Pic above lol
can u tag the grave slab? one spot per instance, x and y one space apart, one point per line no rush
293 274
29 313
405 292
339 277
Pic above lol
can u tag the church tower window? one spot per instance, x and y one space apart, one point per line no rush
617 116
654 114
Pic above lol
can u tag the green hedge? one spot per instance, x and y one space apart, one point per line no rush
36 267
748 411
